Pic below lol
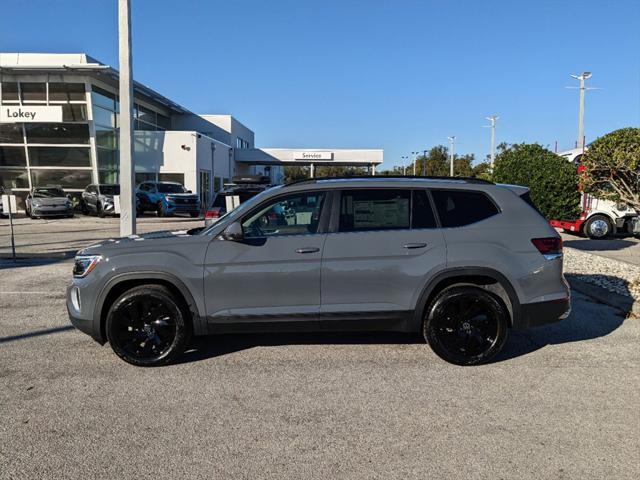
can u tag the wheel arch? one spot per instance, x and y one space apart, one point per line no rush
123 282
486 278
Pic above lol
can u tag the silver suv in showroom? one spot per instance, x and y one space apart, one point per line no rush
460 260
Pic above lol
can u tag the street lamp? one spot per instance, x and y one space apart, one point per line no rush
582 77
415 160
492 119
404 164
452 143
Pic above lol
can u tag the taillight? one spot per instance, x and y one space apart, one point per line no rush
212 213
551 246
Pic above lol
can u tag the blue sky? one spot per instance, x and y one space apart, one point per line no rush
399 75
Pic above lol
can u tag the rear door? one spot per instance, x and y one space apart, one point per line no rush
383 246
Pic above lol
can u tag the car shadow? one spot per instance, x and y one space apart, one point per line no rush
34 260
610 244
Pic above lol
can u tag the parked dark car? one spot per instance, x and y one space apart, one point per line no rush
48 201
243 187
98 199
167 198
461 261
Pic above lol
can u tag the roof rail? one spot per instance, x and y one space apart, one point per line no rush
383 177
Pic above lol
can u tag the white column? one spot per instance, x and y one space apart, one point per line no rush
311 171
127 170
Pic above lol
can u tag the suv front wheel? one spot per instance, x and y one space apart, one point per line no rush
466 325
148 326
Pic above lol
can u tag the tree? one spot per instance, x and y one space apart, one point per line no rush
553 180
612 167
482 170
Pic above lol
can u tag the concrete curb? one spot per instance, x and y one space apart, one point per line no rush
615 300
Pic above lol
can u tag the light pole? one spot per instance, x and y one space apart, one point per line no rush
415 161
493 119
424 163
452 143
404 164
127 170
582 77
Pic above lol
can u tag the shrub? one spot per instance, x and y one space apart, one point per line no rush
552 179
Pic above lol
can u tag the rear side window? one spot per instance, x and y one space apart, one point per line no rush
457 208
527 198
383 209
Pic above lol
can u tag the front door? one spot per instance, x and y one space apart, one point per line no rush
274 273
385 246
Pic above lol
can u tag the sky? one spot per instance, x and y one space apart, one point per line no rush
399 75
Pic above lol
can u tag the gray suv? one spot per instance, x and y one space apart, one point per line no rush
460 260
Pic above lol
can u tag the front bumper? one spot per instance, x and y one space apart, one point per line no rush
543 313
45 211
86 325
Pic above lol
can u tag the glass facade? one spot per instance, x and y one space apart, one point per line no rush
106 120
38 154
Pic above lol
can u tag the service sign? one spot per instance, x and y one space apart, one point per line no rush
310 156
30 113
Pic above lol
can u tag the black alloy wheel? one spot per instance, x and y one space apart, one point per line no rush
466 325
148 326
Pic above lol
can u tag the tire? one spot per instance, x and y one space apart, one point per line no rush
148 326
83 207
139 212
194 214
99 210
598 227
466 325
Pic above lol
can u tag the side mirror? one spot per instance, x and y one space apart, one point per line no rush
233 232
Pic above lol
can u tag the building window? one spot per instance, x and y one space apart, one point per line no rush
11 133
145 177
33 92
57 133
103 98
17 178
104 117
12 157
59 157
107 159
66 92
10 92
74 113
64 178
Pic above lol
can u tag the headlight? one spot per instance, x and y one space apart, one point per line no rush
84 264
168 198
69 204
35 203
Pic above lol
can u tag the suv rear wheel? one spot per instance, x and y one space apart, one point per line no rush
466 325
147 326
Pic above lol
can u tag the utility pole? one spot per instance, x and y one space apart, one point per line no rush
582 77
452 143
127 170
493 119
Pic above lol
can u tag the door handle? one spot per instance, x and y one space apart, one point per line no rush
414 245
308 250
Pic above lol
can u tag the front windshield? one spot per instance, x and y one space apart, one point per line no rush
110 189
171 188
48 193
241 208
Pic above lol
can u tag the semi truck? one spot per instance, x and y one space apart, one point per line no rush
599 218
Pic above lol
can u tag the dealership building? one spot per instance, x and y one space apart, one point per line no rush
59 120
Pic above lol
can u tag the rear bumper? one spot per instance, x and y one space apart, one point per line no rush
543 313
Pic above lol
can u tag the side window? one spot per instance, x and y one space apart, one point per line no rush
422 214
457 208
381 209
297 214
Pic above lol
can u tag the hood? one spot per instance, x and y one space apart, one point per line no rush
134 241
50 201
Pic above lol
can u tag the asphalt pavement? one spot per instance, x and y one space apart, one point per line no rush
560 402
